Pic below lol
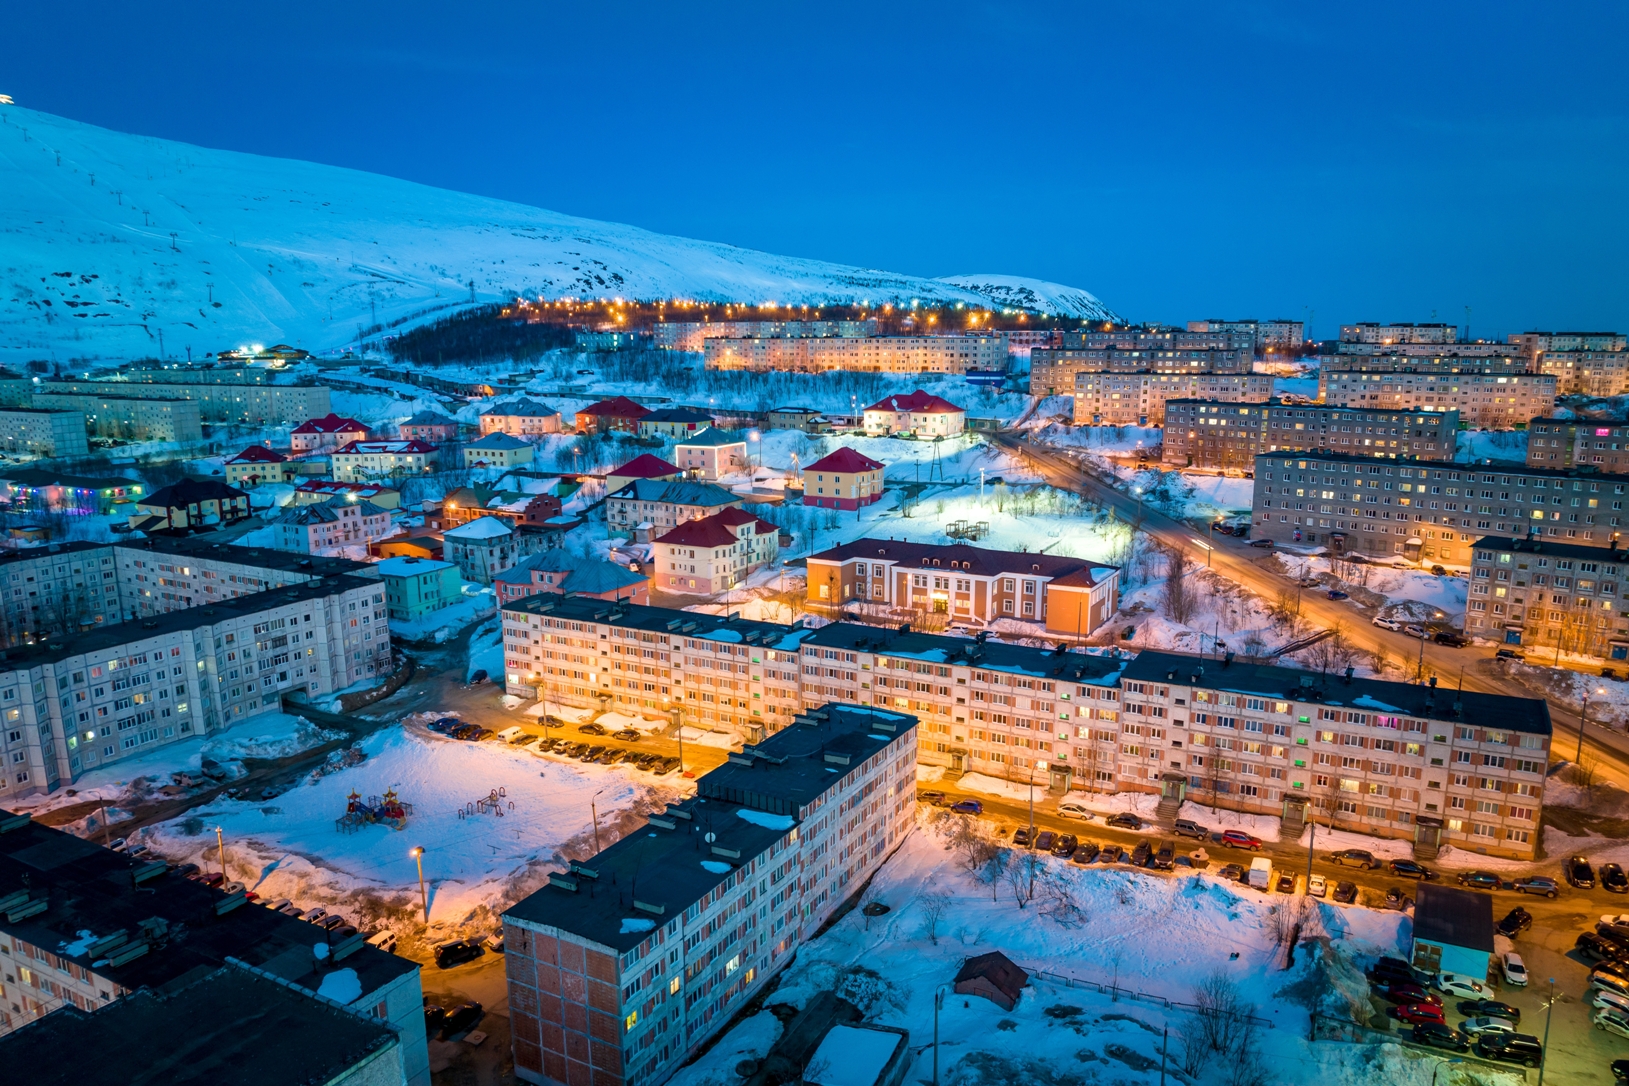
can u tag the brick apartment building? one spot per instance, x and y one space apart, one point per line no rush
1428 512
627 963
1205 434
858 354
1550 595
1139 399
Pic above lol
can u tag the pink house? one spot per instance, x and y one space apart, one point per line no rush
711 554
330 431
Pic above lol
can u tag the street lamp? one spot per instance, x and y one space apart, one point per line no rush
1440 1066
1583 718
1544 1056
678 730
417 852
220 844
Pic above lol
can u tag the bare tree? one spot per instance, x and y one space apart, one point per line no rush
1019 873
932 904
973 850
1059 901
1177 594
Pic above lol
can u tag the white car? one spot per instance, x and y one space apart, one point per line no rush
1609 982
1386 623
1612 1021
1456 985
1604 998
1317 887
1487 1024
1615 918
1071 809
1515 970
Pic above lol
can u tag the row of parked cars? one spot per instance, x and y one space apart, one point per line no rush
1451 638
1607 947
603 754
453 728
1580 875
1488 1025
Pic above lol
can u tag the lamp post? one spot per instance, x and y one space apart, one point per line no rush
594 811
678 730
417 852
1440 1066
1032 826
1583 718
938 1004
220 845
1544 1056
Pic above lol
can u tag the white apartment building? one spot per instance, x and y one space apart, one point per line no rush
1373 332
870 354
127 418
693 335
361 461
216 402
713 553
1587 373
35 431
1534 344
330 527
1484 401
921 413
1138 399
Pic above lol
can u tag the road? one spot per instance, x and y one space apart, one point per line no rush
1251 567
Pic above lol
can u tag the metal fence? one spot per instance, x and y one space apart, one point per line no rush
1114 991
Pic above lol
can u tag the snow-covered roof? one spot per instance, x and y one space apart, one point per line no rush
479 528
710 438
523 408
619 407
846 461
645 466
329 512
671 492
258 454
330 424
852 1056
917 403
498 440
410 567
677 414
398 447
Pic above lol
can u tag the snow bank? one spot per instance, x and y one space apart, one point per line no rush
477 603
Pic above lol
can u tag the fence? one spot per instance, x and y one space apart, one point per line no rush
1114 991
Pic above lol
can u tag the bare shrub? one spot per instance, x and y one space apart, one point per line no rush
1177 595
932 905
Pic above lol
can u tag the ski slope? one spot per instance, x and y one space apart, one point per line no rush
112 242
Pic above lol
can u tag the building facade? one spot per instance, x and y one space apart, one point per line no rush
216 402
188 506
329 432
484 547
869 354
1586 373
1403 332
674 422
128 418
1428 511
258 464
1600 445
1550 595
429 426
1485 401
711 454
415 587
1053 371
713 553
1534 344
693 335
361 461
1139 399
330 527
520 418
616 415
499 449
921 413
1203 434
35 431
664 505
844 479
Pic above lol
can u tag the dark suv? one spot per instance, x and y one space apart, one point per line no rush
1519 1048
457 951
1579 873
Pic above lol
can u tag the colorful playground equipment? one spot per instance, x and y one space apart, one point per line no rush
388 809
494 803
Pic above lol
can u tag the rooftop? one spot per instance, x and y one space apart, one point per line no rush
676 493
616 407
329 511
677 414
917 402
1530 715
666 621
525 408
227 1026
330 424
1447 914
1552 550
974 559
408 566
645 466
716 530
430 418
711 438
845 460
1436 467
1076 667
365 447
497 439
258 454
191 492
480 528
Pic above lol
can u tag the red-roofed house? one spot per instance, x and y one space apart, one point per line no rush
712 554
617 413
643 466
330 431
258 464
920 413
844 479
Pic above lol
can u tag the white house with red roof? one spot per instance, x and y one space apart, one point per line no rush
712 554
844 479
643 466
920 413
360 461
329 432
258 464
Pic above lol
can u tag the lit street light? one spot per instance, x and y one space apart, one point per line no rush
418 854
220 844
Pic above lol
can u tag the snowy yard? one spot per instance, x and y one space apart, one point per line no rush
479 601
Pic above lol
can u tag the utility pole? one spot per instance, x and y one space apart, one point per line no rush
1312 837
1544 1056
418 854
1165 1044
220 844
1032 826
595 813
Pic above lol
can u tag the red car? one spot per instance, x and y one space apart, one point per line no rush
1408 993
1418 1012
1240 839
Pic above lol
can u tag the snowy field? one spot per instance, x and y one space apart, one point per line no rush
1499 446
1158 935
289 847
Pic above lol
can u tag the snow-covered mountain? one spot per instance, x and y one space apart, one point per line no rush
114 242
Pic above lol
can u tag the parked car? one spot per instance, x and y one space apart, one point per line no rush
1405 991
1071 808
1317 886
1596 947
1020 837
1515 970
1476 1008
478 677
1125 820
1065 845
1111 853
1086 852
1440 1035
628 735
1046 840
1355 857
1608 980
1620 1070
1602 997
1385 623
461 1019
186 871
456 952
1140 855
316 916
1261 543
1397 899
1240 839
331 922
591 728
1231 872
967 806
1456 985
1414 629
1410 869
434 1015
937 799
1165 858
1416 1012
1286 883
1515 922
1522 1048
1187 827
1481 880
1487 1024
384 940
1508 654
1346 892
1578 873
1612 1021
1536 884
1613 880
1452 639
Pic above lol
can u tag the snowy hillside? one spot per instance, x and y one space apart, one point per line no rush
112 241
1037 294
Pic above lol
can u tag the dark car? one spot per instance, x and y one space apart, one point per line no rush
1579 873
1410 869
1336 594
1597 947
434 1015
457 952
1535 884
1165 858
1355 857
1397 899
1346 892
1111 853
1231 872
1508 654
461 1019
186 871
968 806
1613 879
592 753
1065 845
1620 1070
1451 639
1125 820
479 677
1406 991
937 799
1286 883
1020 836
591 728
1439 1035
1086 852
1481 880
1522 1048
628 735
1515 922
1261 543
1477 1008
1140 854
1046 840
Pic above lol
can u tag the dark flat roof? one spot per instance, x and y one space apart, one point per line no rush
795 766
664 620
231 1026
1076 667
1553 550
1447 914
91 888
1530 715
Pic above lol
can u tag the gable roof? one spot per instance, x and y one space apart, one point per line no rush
328 486
619 407
329 424
976 559
522 407
190 491
599 576
999 970
430 418
258 454
845 460
328 512
717 530
364 447
645 466
711 437
918 402
479 528
497 439
678 414
679 492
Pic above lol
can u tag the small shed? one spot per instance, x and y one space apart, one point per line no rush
860 1056
1453 931
993 976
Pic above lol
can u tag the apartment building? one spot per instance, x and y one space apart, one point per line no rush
188 506
1533 344
127 418
970 584
674 422
642 467
693 335
1200 433
119 690
429 426
520 418
1270 337
1386 334
1139 399
1584 443
1428 512
870 354
414 587
258 464
720 672
663 505
1586 373
1156 338
1550 595
321 490
713 553
36 431
1053 371
712 453
498 450
1418 763
921 413
329 432
486 546
1498 357
264 404
789 829
568 574
844 479
104 932
330 527
616 415
360 461
1485 401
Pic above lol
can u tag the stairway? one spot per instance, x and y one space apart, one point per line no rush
1168 808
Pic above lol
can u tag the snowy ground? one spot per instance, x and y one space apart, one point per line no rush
486 650
1408 592
1306 387
1500 446
479 601
1160 935
289 846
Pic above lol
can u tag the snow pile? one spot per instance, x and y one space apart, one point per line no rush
342 985
486 651
272 735
1499 446
477 603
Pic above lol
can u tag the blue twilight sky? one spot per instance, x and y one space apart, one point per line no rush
1361 162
